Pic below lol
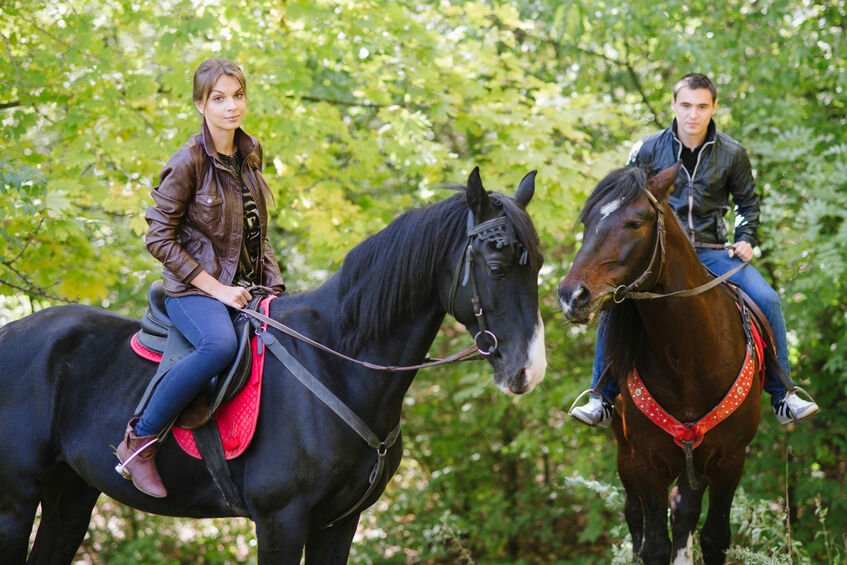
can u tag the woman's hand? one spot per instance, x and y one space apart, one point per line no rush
233 296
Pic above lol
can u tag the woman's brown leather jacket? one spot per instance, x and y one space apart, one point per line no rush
197 221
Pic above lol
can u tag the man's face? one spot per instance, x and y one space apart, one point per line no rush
693 109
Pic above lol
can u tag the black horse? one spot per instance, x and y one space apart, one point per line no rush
69 382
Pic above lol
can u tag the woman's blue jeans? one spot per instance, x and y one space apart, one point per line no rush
207 324
751 282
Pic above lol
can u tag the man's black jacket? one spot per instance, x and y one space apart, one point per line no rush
701 197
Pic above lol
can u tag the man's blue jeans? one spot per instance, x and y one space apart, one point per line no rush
751 282
207 324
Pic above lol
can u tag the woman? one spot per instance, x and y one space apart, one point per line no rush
208 227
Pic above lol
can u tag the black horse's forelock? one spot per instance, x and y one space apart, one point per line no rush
386 276
625 183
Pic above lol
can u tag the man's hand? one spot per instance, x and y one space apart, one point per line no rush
742 250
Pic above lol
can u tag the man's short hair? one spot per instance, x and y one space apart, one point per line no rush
694 81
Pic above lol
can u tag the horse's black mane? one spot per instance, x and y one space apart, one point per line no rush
625 183
625 329
387 276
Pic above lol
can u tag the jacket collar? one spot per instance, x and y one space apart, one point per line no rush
243 141
711 133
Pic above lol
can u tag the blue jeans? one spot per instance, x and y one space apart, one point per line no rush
206 323
751 282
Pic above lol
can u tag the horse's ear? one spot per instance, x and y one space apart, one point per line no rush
478 200
526 189
661 185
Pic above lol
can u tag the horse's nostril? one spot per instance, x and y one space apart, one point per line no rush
576 297
582 296
520 382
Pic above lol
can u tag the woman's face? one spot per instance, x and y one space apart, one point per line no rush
225 106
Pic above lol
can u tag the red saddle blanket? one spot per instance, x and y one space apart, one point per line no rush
236 419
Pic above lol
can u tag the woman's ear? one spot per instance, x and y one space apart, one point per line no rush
199 107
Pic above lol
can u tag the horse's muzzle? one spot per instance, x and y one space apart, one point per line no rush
576 302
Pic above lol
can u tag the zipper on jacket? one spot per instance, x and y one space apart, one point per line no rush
691 176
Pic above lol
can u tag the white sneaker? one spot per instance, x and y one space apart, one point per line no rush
595 412
793 409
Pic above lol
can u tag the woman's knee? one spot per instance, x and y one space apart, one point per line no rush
219 348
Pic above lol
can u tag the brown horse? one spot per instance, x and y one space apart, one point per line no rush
687 348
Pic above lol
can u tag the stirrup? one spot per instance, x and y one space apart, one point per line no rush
797 389
121 467
578 398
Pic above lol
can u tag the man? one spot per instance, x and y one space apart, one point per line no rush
714 168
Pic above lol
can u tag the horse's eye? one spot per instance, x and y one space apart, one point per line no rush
496 270
634 224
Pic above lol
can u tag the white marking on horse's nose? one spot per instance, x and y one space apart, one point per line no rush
537 365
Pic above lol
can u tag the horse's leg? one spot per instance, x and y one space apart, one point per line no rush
18 504
633 512
715 535
332 545
685 512
653 492
66 505
281 536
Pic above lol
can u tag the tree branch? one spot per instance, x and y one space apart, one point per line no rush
353 103
12 104
635 80
30 288
618 62
21 80
35 292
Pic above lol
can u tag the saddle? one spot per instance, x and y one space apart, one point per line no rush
758 318
158 335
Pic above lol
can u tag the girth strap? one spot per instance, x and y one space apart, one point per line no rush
207 438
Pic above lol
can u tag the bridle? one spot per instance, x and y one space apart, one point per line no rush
628 291
489 230
623 292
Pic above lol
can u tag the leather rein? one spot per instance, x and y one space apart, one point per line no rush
493 230
623 292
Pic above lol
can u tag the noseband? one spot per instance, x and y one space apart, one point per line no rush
490 230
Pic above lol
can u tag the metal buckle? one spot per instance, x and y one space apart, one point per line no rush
493 348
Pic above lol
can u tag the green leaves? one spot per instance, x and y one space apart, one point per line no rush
366 109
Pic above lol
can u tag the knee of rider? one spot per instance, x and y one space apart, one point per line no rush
219 349
769 301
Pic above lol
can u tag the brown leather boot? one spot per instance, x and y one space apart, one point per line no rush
140 466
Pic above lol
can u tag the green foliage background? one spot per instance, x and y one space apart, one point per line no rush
365 108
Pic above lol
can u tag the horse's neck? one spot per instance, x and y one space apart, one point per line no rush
686 336
379 394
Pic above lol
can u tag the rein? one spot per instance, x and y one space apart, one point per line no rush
489 230
495 230
623 292
463 355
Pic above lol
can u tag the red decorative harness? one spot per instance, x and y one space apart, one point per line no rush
692 434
